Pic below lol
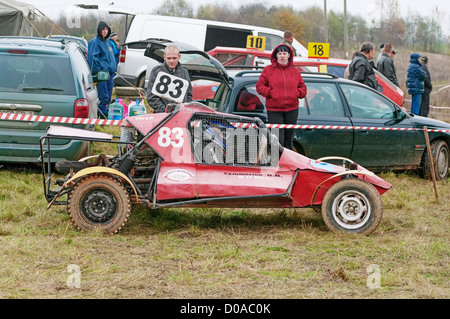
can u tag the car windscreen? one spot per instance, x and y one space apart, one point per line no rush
30 73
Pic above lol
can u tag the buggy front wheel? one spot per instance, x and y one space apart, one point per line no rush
352 206
99 201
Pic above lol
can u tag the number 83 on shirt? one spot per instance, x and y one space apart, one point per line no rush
170 87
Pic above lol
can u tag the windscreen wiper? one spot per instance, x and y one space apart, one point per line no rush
41 89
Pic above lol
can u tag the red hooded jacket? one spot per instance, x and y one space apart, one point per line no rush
281 85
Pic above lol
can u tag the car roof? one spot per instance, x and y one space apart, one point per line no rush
144 44
241 50
267 53
69 37
33 45
329 61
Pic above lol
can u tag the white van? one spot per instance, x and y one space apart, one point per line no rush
202 34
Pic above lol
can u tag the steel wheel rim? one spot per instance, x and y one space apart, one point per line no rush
442 162
99 206
351 209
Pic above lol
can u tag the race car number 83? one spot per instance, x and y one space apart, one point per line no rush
165 137
170 87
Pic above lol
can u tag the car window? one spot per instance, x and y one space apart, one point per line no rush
82 70
364 103
272 40
249 100
36 74
323 100
228 59
336 70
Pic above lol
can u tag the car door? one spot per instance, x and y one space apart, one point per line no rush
323 106
380 137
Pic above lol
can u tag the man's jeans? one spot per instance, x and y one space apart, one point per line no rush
415 104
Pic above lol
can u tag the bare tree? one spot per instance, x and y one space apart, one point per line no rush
175 8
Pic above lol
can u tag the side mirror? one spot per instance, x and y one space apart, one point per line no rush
400 115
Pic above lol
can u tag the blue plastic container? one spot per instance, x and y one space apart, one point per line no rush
115 110
137 109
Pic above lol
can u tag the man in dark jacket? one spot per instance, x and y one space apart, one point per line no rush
385 64
414 82
427 88
101 58
172 66
360 69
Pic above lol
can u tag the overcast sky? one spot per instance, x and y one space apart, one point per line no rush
356 7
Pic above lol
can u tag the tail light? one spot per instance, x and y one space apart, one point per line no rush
81 109
122 55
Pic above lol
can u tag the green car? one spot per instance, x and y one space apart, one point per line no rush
372 130
42 77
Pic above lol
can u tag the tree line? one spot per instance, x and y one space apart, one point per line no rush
416 31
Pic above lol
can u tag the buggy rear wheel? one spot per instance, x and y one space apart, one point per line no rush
99 201
352 206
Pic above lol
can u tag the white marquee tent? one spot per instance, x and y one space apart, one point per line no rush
16 18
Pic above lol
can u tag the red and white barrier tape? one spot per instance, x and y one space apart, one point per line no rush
56 119
80 121
326 127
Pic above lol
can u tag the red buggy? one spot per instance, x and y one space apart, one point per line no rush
193 156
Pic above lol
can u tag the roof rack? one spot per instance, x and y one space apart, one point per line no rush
243 67
245 72
318 74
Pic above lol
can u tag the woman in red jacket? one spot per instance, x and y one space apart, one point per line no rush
282 85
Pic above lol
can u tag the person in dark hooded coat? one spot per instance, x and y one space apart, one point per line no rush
415 82
282 85
428 87
101 58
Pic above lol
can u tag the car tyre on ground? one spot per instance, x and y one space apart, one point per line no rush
440 157
99 201
352 206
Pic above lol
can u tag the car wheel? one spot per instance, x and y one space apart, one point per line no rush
99 201
141 81
440 156
352 206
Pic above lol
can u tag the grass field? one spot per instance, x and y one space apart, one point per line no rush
227 253
224 253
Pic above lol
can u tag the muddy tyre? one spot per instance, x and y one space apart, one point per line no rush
352 206
99 202
440 156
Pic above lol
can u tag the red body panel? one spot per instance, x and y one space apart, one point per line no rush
180 178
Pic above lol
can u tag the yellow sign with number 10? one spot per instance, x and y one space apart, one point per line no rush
254 42
318 50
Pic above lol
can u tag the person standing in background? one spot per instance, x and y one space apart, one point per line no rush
360 68
288 38
386 65
347 69
101 58
414 82
282 85
172 66
427 88
115 44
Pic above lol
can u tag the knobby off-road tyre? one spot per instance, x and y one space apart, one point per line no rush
440 156
352 206
99 201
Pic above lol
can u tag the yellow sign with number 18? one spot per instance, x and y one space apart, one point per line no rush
318 50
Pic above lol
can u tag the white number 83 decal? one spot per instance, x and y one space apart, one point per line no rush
165 137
